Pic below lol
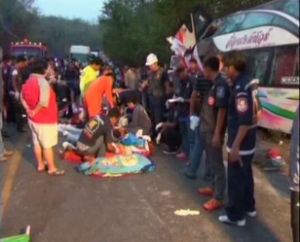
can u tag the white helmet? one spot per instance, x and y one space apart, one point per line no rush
151 59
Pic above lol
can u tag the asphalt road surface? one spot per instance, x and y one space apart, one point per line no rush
133 209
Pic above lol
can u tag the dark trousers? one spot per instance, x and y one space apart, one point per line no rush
156 111
172 138
19 111
215 157
185 134
295 215
9 104
240 188
98 149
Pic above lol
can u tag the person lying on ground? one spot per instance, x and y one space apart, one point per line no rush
140 118
96 137
39 101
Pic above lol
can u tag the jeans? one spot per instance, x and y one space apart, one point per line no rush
196 157
193 137
240 188
185 130
73 135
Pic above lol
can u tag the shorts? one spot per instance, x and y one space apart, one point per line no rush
45 135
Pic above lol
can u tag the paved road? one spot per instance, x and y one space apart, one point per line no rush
133 209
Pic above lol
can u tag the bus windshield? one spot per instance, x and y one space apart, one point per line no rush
16 51
83 58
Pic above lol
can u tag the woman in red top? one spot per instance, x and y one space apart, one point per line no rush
39 101
96 91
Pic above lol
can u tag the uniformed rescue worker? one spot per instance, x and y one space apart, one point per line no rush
212 131
243 112
157 85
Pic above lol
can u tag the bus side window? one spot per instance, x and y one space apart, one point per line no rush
258 65
285 66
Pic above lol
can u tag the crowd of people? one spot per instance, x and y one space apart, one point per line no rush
194 117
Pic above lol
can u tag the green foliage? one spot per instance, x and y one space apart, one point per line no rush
134 28
19 19
59 34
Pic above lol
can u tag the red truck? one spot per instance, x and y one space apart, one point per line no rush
28 48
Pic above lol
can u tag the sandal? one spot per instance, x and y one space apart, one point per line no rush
41 170
57 172
3 158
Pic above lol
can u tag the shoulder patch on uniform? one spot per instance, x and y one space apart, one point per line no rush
211 101
220 92
93 125
242 105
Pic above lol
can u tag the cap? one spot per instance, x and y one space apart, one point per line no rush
151 59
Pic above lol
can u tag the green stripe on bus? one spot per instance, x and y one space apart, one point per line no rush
279 111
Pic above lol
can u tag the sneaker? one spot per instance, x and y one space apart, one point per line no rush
181 156
3 158
252 214
213 205
208 191
170 151
226 220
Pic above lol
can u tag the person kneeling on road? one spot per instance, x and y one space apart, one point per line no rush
169 133
96 137
140 118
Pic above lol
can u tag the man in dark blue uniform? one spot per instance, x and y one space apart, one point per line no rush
212 132
243 112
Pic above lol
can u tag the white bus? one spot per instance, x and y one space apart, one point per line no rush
268 35
80 53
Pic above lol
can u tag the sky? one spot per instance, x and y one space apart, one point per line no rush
85 9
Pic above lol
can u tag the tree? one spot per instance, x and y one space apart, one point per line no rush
17 19
134 28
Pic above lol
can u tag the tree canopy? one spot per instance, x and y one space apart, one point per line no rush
134 28
128 30
19 19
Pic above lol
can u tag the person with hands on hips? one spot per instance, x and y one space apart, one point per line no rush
243 113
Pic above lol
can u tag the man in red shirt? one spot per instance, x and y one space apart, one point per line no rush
39 101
